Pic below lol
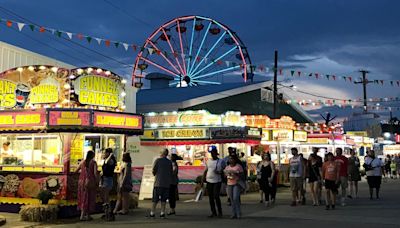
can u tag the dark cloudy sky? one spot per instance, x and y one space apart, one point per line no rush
325 36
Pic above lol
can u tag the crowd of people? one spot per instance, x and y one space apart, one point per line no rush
329 176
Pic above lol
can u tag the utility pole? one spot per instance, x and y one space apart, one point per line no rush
276 84
364 82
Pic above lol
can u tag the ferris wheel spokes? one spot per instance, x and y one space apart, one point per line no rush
162 54
191 46
180 41
215 72
173 51
213 62
209 52
201 46
159 66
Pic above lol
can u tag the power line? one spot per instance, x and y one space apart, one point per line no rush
127 14
80 45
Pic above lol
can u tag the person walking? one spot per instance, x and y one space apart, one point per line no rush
374 169
267 174
107 182
233 172
87 185
343 164
213 178
173 188
319 162
388 162
331 177
296 175
260 183
124 185
314 178
354 174
162 171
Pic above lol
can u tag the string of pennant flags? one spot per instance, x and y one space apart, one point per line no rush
340 101
353 106
127 46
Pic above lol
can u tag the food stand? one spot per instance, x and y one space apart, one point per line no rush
51 117
189 134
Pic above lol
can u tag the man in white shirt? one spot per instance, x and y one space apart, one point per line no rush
296 175
213 178
374 168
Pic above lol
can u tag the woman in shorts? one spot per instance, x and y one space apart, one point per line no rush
330 174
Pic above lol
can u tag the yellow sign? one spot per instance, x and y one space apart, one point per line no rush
7 94
98 90
357 133
114 120
318 140
266 134
148 134
282 135
195 133
44 94
300 136
77 149
21 119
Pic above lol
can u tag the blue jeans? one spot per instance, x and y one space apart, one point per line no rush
234 195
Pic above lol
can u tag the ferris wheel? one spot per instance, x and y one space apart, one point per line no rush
195 50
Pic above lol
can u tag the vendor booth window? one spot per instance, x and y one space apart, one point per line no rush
31 150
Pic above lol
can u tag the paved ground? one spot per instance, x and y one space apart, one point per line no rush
358 213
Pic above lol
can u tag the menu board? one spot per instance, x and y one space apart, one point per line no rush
22 119
77 149
147 184
69 118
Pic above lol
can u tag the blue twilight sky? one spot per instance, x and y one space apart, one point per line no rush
326 36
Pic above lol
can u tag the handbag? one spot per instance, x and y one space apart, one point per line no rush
368 167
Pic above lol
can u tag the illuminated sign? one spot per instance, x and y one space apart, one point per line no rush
7 94
22 119
195 133
357 133
318 140
282 135
397 139
98 90
46 93
227 132
117 120
319 128
148 134
300 136
254 132
257 121
266 134
179 119
391 148
69 118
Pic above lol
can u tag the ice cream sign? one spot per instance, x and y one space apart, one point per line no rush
7 94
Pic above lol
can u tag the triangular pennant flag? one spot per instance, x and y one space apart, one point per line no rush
205 60
391 83
134 47
20 26
58 33
107 42
9 23
116 44
382 82
334 77
89 39
80 36
227 63
98 40
350 79
32 27
198 59
126 46
310 75
42 29
158 52
316 75
292 72
280 71
52 31
150 50
69 34
298 73
344 78
327 76
398 83
175 55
